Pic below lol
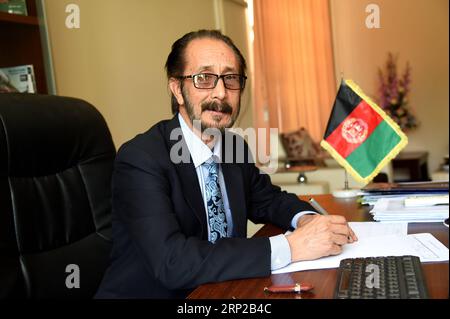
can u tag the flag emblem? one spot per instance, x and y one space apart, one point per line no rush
354 130
360 135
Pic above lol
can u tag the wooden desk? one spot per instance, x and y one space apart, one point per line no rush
324 280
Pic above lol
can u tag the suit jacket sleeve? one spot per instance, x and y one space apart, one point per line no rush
142 201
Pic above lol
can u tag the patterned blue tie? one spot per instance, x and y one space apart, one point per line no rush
216 211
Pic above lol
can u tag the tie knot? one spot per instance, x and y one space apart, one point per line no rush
211 165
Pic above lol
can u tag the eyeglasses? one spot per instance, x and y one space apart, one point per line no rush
209 80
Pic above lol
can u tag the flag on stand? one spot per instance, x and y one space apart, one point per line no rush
360 135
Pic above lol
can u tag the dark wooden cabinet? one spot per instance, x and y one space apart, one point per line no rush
20 43
415 164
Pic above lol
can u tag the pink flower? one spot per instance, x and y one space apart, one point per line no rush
393 91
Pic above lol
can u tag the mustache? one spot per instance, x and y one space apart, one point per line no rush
217 107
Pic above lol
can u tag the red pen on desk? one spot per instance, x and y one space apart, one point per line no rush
298 287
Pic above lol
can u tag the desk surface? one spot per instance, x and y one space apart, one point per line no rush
324 280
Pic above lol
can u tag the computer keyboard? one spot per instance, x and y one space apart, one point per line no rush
391 277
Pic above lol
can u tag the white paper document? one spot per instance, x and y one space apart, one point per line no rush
375 229
372 229
394 209
425 246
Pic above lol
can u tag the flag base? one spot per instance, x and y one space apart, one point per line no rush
346 193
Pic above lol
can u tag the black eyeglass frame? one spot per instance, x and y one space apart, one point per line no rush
242 79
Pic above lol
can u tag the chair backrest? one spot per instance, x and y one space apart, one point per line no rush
56 162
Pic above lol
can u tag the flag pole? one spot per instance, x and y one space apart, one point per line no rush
346 180
345 171
346 192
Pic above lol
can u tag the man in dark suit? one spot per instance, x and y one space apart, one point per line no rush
181 202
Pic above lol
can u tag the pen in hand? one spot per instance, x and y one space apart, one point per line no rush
322 211
317 207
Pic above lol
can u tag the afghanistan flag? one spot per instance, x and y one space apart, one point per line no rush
360 135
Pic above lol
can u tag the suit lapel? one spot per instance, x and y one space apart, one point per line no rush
188 177
236 198
234 184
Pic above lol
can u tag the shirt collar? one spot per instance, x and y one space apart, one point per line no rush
200 152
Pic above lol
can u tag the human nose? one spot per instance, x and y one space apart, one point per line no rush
219 90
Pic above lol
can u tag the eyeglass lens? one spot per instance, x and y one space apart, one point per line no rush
209 81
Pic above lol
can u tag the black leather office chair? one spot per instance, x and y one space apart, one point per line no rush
56 161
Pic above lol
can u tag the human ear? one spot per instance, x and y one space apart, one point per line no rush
175 88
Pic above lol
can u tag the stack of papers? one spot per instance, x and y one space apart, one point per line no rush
406 188
370 199
404 208
407 202
423 201
376 239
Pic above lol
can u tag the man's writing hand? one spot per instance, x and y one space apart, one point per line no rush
318 236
